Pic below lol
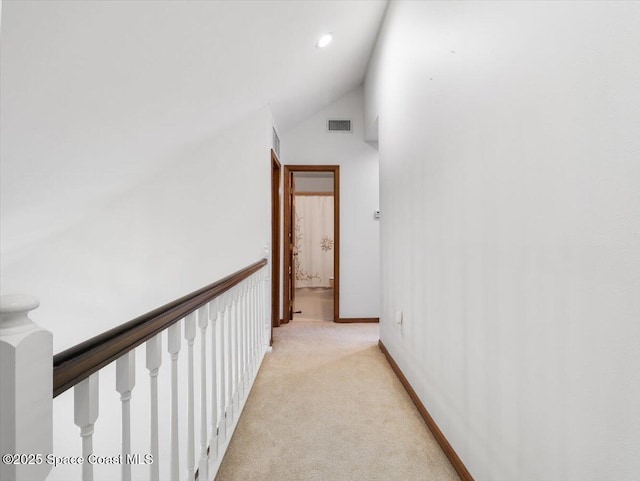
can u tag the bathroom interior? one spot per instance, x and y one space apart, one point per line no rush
314 246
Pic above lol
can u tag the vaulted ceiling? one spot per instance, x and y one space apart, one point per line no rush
95 93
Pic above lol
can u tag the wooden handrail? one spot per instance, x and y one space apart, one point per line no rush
80 361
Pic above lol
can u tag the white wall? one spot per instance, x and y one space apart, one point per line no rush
310 143
120 189
510 180
117 177
183 228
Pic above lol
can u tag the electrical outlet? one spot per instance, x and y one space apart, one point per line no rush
399 317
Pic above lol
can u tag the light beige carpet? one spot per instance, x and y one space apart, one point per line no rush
326 406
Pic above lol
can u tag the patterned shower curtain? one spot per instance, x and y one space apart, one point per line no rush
314 240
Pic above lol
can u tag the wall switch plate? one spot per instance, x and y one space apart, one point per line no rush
399 317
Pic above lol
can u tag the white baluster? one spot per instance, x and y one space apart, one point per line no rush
213 442
190 335
125 381
255 320
258 312
263 309
203 322
85 401
265 283
230 330
174 350
223 367
236 349
253 323
247 342
248 327
239 317
251 329
258 307
231 357
154 360
243 339
26 384
239 344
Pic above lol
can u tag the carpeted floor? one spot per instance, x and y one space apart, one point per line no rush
326 406
314 304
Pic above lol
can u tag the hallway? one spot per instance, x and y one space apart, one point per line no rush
326 406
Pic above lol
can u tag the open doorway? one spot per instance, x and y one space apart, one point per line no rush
312 243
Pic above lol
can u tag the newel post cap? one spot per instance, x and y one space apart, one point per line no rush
14 309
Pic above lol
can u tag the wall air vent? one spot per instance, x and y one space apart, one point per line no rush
339 125
276 143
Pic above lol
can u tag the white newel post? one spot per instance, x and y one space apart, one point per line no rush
26 389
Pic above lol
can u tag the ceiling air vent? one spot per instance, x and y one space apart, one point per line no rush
276 143
339 125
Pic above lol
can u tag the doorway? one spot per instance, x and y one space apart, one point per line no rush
312 243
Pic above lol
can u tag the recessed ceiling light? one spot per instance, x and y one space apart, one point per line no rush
324 40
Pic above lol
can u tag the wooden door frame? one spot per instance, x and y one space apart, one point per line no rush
288 172
276 170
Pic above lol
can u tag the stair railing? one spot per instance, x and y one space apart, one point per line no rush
230 318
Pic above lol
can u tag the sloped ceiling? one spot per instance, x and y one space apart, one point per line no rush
97 94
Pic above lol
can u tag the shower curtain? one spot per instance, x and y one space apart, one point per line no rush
313 240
